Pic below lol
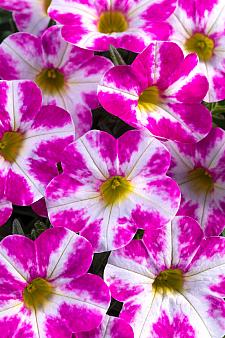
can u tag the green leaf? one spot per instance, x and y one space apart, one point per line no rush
139 234
115 56
39 227
17 228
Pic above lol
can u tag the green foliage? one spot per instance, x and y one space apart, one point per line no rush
7 25
17 228
139 234
218 112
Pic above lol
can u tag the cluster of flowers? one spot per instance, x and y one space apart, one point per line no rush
165 178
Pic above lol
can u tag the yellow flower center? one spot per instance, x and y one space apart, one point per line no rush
37 293
115 189
112 22
200 180
51 81
149 99
168 281
202 45
46 4
10 145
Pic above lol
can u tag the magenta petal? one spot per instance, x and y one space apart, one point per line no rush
39 208
90 301
59 252
5 211
111 327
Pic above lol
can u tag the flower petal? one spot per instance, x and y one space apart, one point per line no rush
20 102
18 253
111 327
60 252
39 208
21 57
141 154
82 302
5 211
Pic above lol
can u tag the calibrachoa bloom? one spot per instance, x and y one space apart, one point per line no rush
109 188
111 327
200 172
31 141
97 24
199 26
45 288
29 15
161 91
67 75
171 282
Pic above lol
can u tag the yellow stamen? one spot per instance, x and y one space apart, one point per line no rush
50 81
149 99
115 189
202 45
112 22
10 145
200 180
170 280
37 293
46 4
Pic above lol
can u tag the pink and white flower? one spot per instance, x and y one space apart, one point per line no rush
161 91
67 75
29 15
97 24
32 139
199 26
200 172
109 188
111 327
45 288
171 282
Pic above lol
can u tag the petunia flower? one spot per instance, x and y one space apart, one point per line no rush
109 188
171 282
29 15
161 91
97 24
200 172
67 75
111 327
199 26
45 288
31 141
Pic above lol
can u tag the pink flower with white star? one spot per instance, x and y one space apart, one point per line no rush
67 75
32 138
199 26
97 24
45 288
110 187
199 171
162 91
171 282
29 15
